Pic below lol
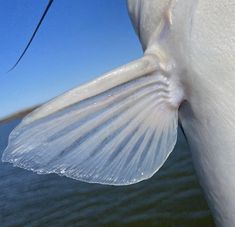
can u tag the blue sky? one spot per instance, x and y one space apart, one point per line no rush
78 41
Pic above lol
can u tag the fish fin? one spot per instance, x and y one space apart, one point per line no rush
118 129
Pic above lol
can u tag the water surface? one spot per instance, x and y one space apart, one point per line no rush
171 198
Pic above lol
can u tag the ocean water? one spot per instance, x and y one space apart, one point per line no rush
172 197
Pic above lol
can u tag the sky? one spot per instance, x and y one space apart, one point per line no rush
78 41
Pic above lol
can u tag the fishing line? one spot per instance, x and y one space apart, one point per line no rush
33 35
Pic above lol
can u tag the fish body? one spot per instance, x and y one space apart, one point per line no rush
200 40
208 117
120 128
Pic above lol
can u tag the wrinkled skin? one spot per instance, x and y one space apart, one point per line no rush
199 38
189 55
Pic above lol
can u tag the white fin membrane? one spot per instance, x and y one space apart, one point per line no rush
106 132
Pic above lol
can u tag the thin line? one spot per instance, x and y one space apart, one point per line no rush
182 129
34 33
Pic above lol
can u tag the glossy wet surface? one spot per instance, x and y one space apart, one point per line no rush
171 198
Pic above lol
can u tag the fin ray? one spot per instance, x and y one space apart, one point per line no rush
119 132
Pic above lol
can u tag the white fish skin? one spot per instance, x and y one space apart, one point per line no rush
200 39
120 128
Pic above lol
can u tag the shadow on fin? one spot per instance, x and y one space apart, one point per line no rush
118 129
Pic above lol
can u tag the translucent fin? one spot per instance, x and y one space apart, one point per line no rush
118 129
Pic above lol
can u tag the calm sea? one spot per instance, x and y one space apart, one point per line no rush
171 198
